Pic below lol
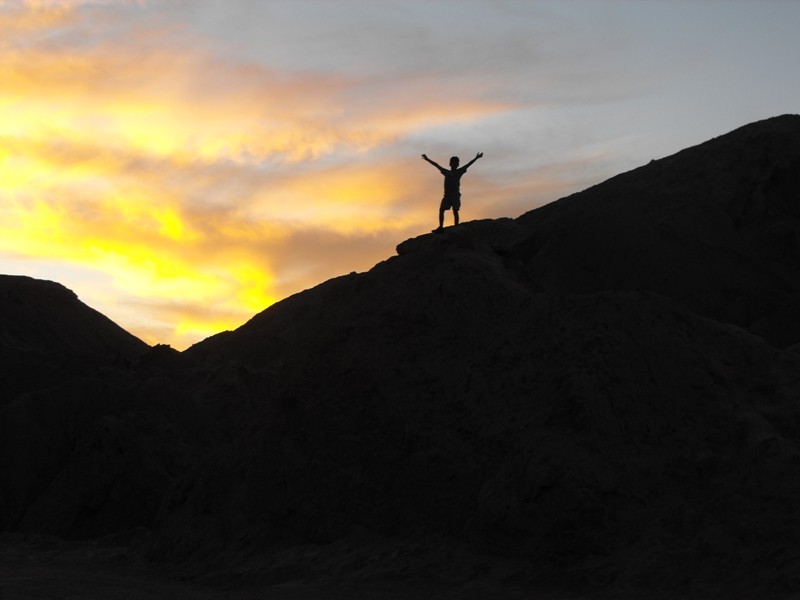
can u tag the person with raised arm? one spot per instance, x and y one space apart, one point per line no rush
452 187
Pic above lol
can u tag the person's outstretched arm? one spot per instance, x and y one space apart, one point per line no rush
477 156
435 164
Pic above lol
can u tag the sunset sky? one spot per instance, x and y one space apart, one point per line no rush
183 164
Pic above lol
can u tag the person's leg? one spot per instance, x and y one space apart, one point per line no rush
445 205
455 216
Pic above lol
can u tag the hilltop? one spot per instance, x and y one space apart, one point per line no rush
47 334
601 394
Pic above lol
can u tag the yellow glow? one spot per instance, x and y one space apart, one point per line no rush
162 170
196 329
45 221
254 287
345 200
171 225
140 270
16 173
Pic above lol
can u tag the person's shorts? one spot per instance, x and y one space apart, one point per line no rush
448 203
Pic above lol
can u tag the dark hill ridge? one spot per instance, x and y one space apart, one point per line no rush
46 317
595 393
88 435
574 383
47 335
715 227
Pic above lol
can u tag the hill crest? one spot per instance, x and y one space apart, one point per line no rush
591 390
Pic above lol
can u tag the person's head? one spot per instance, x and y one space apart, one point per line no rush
454 162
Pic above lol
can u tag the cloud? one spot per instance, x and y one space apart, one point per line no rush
205 189
202 186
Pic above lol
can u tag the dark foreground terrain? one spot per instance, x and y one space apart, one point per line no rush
41 567
34 566
600 398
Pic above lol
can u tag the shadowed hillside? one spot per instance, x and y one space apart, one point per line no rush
601 394
715 227
47 334
90 429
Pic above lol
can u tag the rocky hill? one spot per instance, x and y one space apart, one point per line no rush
47 334
715 227
602 393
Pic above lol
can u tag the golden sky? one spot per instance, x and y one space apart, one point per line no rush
183 165
172 172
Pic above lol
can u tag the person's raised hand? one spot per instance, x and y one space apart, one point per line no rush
479 155
425 156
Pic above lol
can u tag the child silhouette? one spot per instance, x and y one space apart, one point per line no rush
452 187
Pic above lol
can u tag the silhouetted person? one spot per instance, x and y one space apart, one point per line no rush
452 187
